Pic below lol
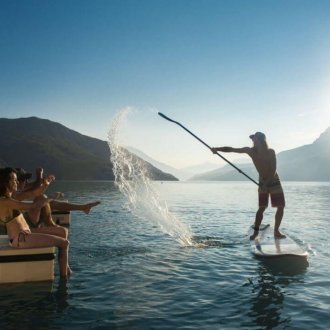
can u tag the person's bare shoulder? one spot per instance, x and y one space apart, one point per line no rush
248 150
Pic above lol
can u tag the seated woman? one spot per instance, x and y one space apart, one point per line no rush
19 233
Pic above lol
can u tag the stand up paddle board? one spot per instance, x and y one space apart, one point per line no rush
267 246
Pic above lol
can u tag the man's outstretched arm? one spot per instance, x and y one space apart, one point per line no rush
244 150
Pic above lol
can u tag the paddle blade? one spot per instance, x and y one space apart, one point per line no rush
165 117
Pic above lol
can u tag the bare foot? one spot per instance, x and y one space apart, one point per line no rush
87 207
278 235
255 234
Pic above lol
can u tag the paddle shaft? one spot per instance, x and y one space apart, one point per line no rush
206 145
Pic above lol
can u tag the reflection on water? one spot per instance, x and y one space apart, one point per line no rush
287 266
269 291
32 305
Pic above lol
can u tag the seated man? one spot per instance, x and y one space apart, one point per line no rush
35 190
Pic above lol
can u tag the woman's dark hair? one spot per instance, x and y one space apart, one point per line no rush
5 178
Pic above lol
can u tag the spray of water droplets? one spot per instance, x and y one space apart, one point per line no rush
133 180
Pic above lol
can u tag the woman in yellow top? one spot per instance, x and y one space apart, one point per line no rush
19 233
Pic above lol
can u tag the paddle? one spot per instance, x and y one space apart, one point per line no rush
206 145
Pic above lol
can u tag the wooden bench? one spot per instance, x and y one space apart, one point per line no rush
25 265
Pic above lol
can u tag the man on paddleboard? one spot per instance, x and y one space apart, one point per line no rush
264 160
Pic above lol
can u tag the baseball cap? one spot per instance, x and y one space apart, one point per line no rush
258 135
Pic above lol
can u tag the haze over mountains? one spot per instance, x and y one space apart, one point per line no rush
34 142
306 163
182 173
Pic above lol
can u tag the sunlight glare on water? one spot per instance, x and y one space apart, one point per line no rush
133 180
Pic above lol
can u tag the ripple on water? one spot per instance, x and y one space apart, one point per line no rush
129 273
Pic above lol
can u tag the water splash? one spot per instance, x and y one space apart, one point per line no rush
133 180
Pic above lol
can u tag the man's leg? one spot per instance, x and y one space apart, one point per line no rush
278 201
65 206
46 216
43 215
33 215
278 220
257 222
263 203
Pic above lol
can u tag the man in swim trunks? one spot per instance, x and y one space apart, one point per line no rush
264 160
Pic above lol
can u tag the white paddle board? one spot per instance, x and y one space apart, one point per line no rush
267 246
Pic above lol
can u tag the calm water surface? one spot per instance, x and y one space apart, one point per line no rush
129 274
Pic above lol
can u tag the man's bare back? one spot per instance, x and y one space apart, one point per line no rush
265 162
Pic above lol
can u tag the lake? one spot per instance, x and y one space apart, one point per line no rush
134 270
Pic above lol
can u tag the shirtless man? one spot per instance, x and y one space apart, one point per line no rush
264 160
35 190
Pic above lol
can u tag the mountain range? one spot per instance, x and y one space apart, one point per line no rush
33 142
182 173
306 163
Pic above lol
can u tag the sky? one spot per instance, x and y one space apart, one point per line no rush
223 69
